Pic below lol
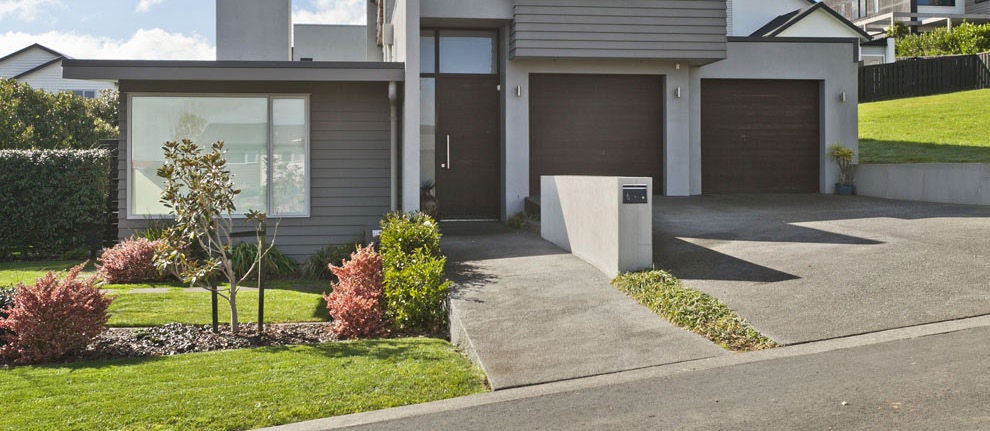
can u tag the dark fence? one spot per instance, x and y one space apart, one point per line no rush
924 76
113 197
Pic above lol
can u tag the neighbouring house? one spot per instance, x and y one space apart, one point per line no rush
465 104
876 16
41 68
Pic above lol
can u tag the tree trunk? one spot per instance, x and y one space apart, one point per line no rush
232 298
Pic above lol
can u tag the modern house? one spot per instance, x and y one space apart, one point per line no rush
41 68
468 102
876 16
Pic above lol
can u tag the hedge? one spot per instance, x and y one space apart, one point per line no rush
52 201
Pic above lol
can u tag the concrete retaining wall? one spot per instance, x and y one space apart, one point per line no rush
587 217
957 183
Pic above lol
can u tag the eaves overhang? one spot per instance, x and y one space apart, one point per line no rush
286 71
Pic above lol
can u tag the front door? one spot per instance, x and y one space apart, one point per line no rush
467 148
461 149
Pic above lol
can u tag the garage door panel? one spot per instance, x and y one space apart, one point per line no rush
760 136
595 125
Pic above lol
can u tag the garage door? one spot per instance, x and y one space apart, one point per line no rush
760 136
608 125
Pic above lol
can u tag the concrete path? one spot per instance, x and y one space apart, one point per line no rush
810 267
530 313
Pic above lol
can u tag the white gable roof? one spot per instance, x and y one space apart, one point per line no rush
26 59
750 15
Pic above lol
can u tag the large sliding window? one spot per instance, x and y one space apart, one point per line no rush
266 138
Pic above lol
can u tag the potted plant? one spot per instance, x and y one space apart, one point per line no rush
843 157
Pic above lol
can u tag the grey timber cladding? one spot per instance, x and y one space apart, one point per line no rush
982 7
690 30
349 151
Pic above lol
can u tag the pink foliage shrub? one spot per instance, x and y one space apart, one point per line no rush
355 303
131 261
53 318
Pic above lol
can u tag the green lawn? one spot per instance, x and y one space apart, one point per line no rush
238 389
152 309
947 128
285 300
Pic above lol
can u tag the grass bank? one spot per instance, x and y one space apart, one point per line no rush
946 128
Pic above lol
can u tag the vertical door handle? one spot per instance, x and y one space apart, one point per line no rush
447 165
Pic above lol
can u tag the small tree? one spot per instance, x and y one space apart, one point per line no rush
199 194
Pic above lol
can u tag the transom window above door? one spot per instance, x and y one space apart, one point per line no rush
465 52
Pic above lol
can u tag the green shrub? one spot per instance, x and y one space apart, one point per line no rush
317 267
404 233
692 309
416 294
155 229
275 264
518 221
36 119
415 290
52 201
966 38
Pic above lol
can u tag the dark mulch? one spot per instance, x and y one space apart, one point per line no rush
174 339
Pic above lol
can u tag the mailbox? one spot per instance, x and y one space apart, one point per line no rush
635 194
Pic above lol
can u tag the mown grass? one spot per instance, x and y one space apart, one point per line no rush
153 309
946 128
285 300
237 389
692 309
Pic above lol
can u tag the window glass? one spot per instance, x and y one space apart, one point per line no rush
242 123
427 52
468 52
427 131
289 156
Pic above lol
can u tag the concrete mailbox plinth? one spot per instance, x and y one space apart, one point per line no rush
606 221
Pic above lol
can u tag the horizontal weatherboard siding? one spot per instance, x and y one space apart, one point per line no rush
349 158
643 29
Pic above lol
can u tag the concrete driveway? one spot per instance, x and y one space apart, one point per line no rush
810 267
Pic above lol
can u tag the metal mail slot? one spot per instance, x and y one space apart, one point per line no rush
635 194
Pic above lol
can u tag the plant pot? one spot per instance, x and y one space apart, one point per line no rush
845 189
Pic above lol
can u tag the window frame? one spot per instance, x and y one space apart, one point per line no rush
269 136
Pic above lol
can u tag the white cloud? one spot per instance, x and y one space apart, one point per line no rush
332 12
145 5
25 10
153 44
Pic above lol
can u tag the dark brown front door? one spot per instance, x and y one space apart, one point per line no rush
760 136
608 125
467 147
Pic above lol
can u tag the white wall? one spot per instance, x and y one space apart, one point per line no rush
749 15
832 63
486 9
24 62
254 30
406 21
820 24
958 183
330 42
50 79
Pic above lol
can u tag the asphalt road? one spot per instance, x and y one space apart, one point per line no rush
933 382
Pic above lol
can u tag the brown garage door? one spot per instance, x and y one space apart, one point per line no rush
760 136
608 125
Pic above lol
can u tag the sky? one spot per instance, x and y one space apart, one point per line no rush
139 29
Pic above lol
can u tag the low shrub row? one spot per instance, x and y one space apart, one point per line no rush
404 285
52 201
